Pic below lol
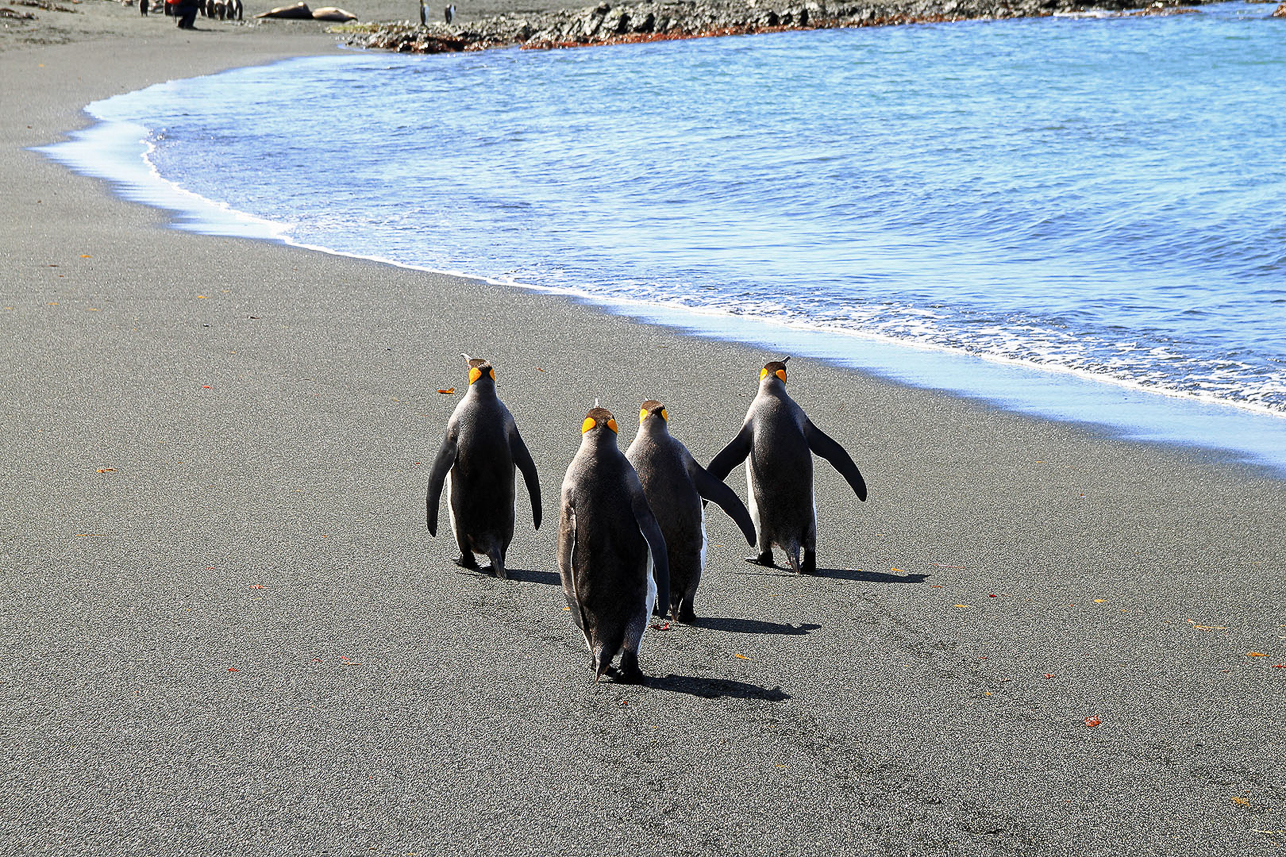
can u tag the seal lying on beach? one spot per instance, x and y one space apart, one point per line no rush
477 459
332 13
297 11
611 554
675 485
779 440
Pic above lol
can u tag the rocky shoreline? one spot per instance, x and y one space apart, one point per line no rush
623 23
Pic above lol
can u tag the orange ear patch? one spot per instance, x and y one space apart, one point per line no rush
612 425
587 425
474 374
492 373
763 373
781 373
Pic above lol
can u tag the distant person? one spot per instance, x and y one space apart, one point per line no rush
186 12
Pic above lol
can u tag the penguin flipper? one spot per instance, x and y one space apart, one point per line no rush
522 458
566 554
822 444
717 491
651 531
441 467
732 454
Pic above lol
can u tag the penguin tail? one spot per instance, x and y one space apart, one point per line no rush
602 663
792 556
497 555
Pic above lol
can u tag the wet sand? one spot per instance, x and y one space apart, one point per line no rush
226 630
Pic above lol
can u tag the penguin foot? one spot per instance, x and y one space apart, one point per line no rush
685 614
499 571
764 559
809 565
629 672
466 560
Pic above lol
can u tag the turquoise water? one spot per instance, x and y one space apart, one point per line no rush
1080 217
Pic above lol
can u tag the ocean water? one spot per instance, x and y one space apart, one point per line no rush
1079 217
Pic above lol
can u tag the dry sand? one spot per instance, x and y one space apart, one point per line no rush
225 630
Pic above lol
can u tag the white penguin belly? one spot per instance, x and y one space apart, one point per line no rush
705 540
750 496
451 507
651 584
651 593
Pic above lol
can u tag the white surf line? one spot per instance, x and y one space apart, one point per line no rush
119 152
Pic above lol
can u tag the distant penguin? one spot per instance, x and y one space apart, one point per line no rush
611 554
448 14
675 484
779 440
477 460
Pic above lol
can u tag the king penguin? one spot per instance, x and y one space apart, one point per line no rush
779 440
477 460
611 554
675 484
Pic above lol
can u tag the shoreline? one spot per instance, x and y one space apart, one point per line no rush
218 589
1256 437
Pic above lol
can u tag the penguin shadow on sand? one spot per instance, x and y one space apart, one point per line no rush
859 576
519 575
708 687
527 575
856 575
734 625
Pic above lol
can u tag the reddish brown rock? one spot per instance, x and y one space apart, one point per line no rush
656 20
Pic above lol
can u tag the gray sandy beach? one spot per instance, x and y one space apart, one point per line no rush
225 629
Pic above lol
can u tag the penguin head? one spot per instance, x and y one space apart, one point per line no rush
479 370
599 423
652 415
774 370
